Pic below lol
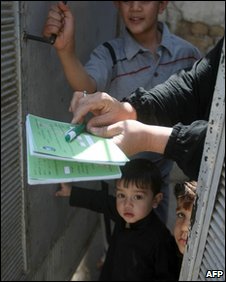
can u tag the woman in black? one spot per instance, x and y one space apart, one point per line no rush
181 104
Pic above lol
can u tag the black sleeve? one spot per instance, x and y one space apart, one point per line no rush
184 97
182 102
94 200
185 146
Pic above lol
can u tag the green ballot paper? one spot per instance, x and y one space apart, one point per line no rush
51 159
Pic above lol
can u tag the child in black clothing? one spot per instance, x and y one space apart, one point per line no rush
141 247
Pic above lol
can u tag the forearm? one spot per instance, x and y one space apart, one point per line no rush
157 106
156 138
75 73
184 97
87 198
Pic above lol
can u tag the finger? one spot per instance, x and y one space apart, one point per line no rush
58 194
64 191
53 23
61 192
75 106
94 103
56 15
52 27
74 101
102 120
81 108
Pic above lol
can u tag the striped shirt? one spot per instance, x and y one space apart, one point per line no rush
136 66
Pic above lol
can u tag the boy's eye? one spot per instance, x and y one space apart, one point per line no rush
180 215
120 196
138 197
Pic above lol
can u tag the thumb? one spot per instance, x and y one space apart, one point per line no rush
106 131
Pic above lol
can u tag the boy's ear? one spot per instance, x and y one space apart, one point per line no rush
157 199
162 6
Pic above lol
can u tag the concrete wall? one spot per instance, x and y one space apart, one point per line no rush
57 235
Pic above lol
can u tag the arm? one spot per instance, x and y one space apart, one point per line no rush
183 144
61 22
189 100
134 137
94 200
184 97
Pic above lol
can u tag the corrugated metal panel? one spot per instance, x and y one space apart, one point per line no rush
206 245
12 258
214 253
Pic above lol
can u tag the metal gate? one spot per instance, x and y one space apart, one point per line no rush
205 256
12 223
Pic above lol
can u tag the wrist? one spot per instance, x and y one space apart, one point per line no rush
155 138
68 59
129 110
66 52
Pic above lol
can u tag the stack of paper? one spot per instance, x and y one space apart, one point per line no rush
50 159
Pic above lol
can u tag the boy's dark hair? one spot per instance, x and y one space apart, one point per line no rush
143 173
185 192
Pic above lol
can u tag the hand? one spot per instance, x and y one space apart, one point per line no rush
129 135
65 190
134 137
106 109
60 22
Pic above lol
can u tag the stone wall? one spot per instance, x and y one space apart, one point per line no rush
200 22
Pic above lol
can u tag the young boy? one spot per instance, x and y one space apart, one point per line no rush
146 55
185 195
141 247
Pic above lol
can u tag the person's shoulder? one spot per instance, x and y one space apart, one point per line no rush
178 45
115 46
116 43
184 45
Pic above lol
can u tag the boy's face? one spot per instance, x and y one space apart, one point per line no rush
182 225
140 16
134 203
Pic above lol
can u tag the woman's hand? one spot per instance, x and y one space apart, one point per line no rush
134 137
105 109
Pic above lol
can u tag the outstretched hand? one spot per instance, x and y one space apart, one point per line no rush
129 135
65 190
133 137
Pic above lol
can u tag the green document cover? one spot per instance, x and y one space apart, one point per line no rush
47 140
51 159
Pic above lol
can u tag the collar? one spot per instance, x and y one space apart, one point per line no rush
166 42
132 47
